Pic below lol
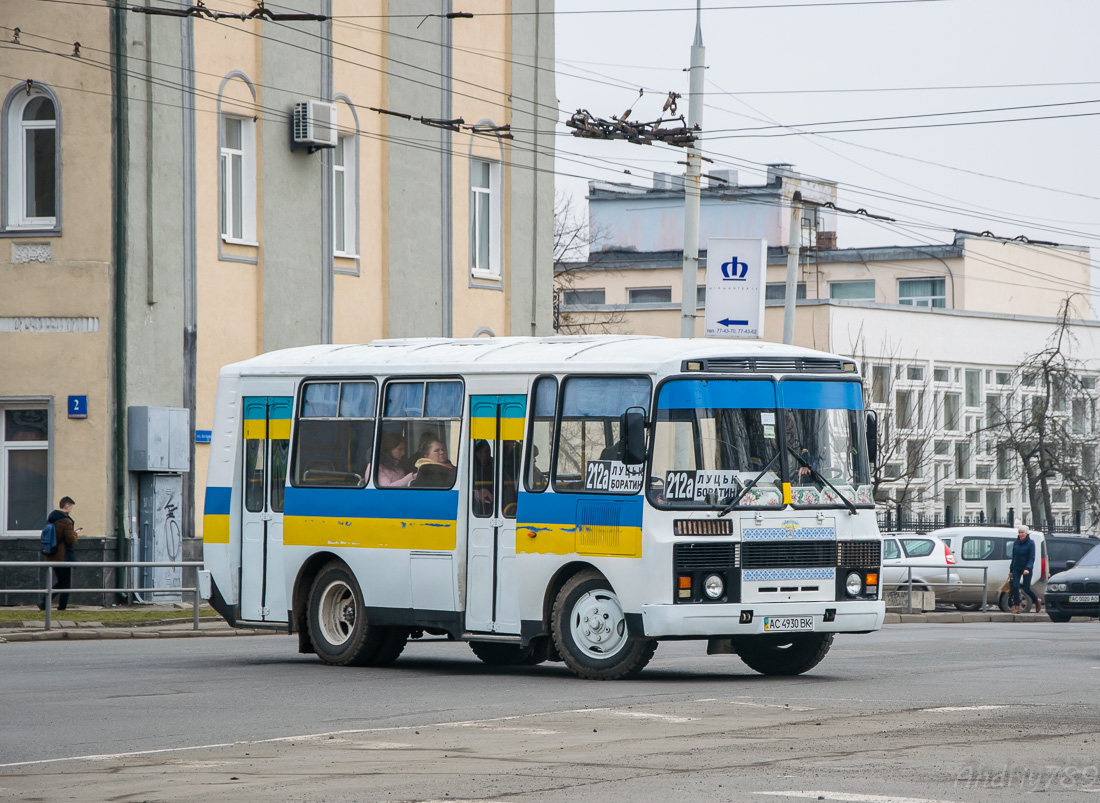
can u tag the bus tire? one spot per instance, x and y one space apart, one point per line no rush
590 631
783 655
495 654
338 625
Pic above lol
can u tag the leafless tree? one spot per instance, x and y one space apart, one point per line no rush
576 249
1048 426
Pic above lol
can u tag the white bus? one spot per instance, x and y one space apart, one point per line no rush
567 498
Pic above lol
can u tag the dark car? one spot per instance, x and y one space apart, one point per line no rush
1061 549
1076 591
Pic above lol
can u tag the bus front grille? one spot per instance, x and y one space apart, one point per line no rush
780 365
859 554
704 557
703 527
788 555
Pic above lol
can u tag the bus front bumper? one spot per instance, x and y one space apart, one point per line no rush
702 620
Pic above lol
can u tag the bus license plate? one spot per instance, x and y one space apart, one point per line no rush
776 624
1084 597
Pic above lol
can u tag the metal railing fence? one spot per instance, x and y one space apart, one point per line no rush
947 583
49 590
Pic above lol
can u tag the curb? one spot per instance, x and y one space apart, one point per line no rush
122 633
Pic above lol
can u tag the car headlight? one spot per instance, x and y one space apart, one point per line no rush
713 586
1056 586
854 584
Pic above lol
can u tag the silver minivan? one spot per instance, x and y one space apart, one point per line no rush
975 547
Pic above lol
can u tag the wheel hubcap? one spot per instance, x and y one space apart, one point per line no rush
337 612
597 625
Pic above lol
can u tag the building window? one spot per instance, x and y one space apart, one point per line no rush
922 292
700 295
941 375
24 470
33 160
914 373
588 297
864 290
777 291
649 295
237 180
880 383
962 460
485 224
344 209
973 496
951 418
973 388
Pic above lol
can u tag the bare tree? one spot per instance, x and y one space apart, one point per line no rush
576 249
1048 429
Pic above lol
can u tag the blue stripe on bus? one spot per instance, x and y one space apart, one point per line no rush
217 501
551 508
716 394
364 503
808 395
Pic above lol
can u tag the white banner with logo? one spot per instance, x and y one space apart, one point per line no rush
736 276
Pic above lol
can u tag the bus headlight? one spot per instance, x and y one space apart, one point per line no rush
854 584
713 586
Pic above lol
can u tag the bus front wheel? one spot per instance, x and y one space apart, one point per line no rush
590 631
783 655
338 625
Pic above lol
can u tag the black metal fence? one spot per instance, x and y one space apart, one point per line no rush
897 521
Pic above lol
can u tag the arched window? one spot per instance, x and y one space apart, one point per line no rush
33 159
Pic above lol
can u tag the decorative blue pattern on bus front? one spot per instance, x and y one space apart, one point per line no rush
372 503
809 395
764 575
716 394
787 533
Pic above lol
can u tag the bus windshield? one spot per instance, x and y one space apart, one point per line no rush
735 443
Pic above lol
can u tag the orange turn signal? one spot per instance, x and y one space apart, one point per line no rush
685 581
872 578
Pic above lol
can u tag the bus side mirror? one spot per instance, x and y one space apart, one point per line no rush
632 426
872 437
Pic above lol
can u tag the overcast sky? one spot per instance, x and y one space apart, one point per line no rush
789 54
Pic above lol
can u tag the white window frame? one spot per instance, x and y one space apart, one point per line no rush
247 154
16 158
7 447
492 270
346 147
927 301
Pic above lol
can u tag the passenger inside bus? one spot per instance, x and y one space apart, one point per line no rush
433 468
483 478
390 471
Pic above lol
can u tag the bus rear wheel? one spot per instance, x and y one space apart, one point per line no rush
338 624
783 655
590 631
506 654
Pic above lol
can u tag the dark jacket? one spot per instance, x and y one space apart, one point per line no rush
1023 556
66 536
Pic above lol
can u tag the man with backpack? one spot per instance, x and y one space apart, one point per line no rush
66 534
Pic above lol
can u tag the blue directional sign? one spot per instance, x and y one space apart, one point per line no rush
78 407
736 275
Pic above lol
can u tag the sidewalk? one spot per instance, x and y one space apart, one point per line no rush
62 629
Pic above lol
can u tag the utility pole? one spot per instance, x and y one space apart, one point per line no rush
794 244
692 182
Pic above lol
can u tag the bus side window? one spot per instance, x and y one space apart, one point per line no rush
334 438
543 410
589 442
421 424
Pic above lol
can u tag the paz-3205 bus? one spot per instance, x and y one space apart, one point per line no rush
568 498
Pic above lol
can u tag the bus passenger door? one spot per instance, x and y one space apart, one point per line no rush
266 441
492 590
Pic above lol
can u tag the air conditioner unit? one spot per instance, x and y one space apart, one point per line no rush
315 124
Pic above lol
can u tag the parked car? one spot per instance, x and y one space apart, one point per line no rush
1064 548
991 547
927 556
1076 591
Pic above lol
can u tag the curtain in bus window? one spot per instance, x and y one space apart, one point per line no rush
544 409
589 449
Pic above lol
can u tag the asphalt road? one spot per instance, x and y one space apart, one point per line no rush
982 712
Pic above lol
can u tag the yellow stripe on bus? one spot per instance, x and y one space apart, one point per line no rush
511 429
483 429
331 531
215 528
255 430
278 429
569 539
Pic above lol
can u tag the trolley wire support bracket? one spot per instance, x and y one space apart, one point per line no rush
199 9
588 126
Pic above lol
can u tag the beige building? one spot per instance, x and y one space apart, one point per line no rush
242 185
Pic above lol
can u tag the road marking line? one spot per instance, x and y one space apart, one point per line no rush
773 705
851 797
662 717
966 708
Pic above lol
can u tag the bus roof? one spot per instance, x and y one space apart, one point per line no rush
558 354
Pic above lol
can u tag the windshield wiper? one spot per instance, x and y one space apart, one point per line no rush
847 502
741 494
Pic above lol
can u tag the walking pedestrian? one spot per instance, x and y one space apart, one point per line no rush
1023 562
67 534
